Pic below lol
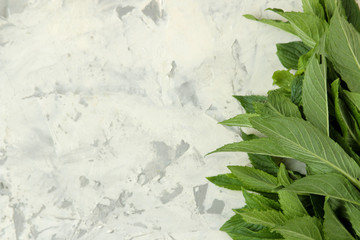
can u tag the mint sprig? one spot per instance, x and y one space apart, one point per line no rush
314 118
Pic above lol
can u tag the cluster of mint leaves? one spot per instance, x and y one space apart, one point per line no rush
313 117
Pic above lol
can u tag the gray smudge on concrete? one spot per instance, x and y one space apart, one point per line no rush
157 167
215 113
171 74
164 156
152 10
83 102
3 156
83 181
187 94
8 7
138 224
19 220
4 188
217 207
36 214
65 204
240 68
81 232
53 188
123 197
200 194
101 211
181 149
122 11
34 232
169 196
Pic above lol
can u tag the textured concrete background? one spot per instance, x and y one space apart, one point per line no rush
108 107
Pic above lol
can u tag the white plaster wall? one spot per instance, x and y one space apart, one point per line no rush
107 108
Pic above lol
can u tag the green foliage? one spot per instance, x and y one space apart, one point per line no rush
228 181
238 229
283 79
332 6
289 53
343 49
254 179
276 23
333 228
301 228
296 90
278 104
268 218
241 120
313 7
327 185
283 176
291 205
298 139
259 202
349 127
314 118
352 12
353 211
314 98
308 27
247 102
262 162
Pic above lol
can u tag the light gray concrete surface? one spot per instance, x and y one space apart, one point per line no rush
107 108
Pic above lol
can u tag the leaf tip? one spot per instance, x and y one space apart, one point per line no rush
250 17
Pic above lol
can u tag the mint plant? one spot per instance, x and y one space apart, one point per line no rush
313 117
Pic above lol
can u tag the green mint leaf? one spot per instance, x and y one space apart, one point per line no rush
275 23
259 107
302 141
296 90
317 203
247 102
289 53
259 202
314 93
343 49
339 111
268 218
291 205
352 100
352 12
331 6
280 105
333 228
301 228
313 7
308 28
236 224
283 79
353 212
228 181
238 229
333 185
283 176
254 179
262 162
241 120
303 61
344 144
247 137
347 122
263 146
